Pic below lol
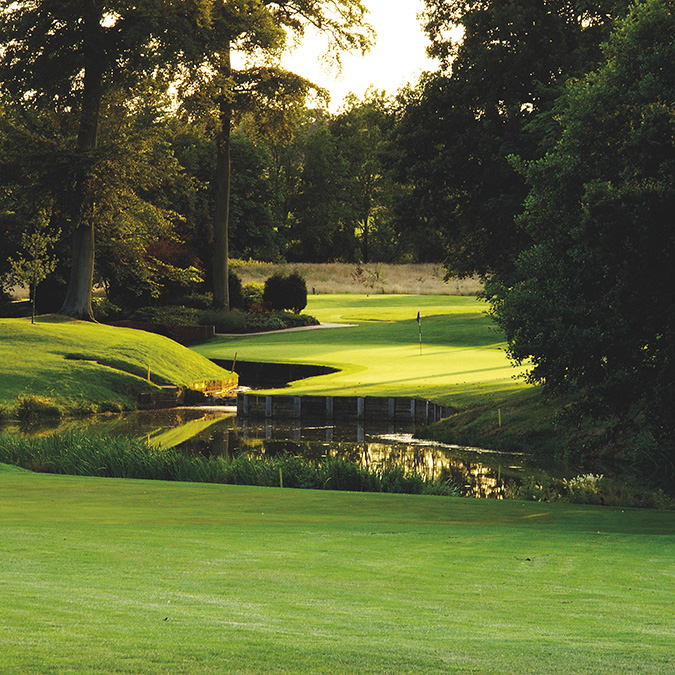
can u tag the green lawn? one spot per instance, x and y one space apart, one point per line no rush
83 366
115 576
462 362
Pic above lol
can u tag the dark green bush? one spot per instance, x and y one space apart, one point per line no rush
258 323
170 314
104 310
196 300
224 321
291 320
285 292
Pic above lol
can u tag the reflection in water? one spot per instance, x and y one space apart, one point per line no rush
213 432
475 472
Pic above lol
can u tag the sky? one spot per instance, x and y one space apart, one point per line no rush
397 57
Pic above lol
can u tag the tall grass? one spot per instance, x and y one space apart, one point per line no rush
126 457
329 278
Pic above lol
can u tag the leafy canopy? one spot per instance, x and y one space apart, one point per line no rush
590 303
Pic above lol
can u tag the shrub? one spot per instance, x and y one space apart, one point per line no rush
196 300
104 310
224 321
30 407
295 320
286 292
171 314
584 489
253 296
258 323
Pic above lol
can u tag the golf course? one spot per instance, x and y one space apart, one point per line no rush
120 576
460 359
132 576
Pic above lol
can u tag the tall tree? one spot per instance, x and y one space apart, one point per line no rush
363 134
590 303
320 228
499 75
259 27
65 56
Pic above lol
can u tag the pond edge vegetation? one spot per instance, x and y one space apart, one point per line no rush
80 454
108 456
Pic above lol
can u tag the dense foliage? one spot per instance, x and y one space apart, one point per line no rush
286 291
497 83
590 302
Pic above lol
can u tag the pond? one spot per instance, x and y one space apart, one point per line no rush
218 431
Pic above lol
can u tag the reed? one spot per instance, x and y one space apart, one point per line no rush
82 454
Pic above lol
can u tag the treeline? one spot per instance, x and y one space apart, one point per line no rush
540 156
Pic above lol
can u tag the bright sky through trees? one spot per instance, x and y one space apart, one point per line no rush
398 56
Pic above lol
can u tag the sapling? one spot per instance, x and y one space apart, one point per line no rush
35 262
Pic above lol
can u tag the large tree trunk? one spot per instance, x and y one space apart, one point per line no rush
221 291
78 296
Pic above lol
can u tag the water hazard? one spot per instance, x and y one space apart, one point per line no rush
217 431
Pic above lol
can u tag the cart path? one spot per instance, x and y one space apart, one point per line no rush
290 330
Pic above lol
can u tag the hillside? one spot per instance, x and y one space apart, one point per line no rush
65 366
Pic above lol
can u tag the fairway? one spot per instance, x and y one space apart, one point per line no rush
116 576
462 360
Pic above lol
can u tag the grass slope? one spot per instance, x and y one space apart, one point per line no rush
113 576
83 366
462 362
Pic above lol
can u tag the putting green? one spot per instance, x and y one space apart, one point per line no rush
462 360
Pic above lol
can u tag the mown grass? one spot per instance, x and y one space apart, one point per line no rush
462 361
115 576
72 367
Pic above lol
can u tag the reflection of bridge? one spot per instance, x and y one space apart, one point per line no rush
455 465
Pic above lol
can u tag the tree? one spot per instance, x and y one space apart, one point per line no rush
497 81
590 302
65 56
363 132
320 213
35 262
255 26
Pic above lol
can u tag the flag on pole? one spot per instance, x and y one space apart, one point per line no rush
419 327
